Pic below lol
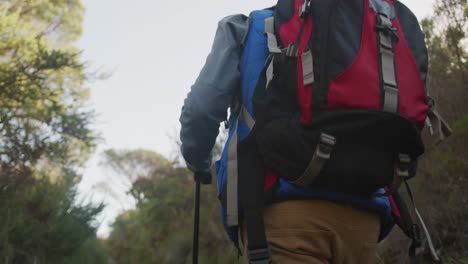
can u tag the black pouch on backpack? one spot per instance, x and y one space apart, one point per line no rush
283 148
363 159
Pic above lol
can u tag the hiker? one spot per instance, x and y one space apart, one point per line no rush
324 127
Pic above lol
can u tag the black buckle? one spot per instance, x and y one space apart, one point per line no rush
260 256
416 232
416 240
403 166
387 30
325 146
431 102
305 9
290 51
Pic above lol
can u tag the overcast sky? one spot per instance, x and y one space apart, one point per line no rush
154 50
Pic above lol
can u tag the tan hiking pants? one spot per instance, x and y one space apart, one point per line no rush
320 232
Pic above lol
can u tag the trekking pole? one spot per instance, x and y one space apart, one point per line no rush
200 178
196 222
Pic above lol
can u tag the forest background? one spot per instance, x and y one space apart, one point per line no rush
47 134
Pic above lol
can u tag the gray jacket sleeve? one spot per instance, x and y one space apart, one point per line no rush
210 96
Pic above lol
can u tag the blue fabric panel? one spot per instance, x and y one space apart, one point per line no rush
288 190
253 59
254 56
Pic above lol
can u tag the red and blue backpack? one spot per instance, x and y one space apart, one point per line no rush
334 111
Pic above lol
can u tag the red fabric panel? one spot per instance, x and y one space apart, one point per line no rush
413 102
359 85
394 207
288 34
289 30
270 180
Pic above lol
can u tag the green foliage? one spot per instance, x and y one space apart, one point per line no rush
446 37
160 229
45 134
455 261
92 251
443 180
461 126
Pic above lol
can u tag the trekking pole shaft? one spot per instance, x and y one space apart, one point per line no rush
196 222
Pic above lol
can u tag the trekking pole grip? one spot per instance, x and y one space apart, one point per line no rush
203 177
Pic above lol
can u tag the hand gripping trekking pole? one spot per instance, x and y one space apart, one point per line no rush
205 178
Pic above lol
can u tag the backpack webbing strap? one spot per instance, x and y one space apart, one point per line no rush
269 71
306 57
291 51
307 67
434 254
407 225
321 155
272 47
258 250
401 174
386 36
434 119
252 198
304 12
232 206
247 118
270 32
232 209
